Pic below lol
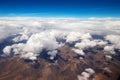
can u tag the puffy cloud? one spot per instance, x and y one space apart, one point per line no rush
78 51
108 57
90 71
114 39
51 33
75 36
15 48
81 77
34 46
20 38
109 49
39 41
52 54
29 55
86 43
7 50
101 42
86 74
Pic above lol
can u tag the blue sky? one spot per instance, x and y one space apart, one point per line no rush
60 8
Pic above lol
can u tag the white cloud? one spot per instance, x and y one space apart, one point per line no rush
15 48
34 46
44 33
20 38
7 50
114 39
108 57
86 74
52 54
78 51
101 42
29 55
73 36
39 41
109 49
85 43
90 71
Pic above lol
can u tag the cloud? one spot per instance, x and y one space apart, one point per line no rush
34 45
75 36
90 71
114 39
15 48
29 55
86 74
78 51
96 25
20 38
42 40
109 49
52 33
86 43
7 50
6 31
108 57
52 54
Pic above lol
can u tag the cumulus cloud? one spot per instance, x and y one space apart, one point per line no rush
78 51
29 55
34 46
42 40
114 39
7 50
20 38
75 36
51 33
52 54
86 43
90 71
109 49
86 74
15 48
108 57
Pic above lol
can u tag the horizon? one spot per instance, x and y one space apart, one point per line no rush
59 39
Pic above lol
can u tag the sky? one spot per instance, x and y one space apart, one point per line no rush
60 8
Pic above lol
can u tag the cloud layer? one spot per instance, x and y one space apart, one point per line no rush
29 36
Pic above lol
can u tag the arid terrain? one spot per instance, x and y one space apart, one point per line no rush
66 66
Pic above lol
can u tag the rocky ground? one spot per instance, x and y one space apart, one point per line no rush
66 66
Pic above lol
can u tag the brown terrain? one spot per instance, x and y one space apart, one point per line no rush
66 67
